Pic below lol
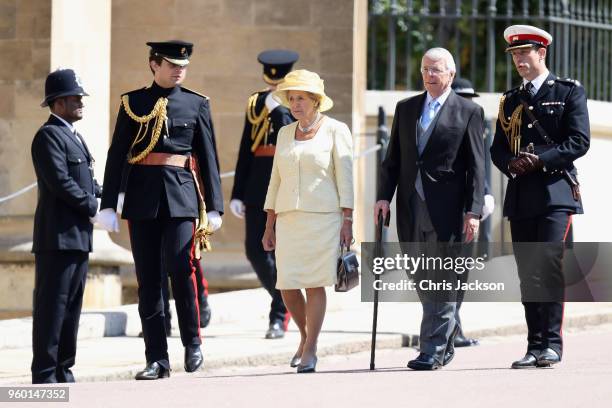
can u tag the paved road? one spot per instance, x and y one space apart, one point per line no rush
478 377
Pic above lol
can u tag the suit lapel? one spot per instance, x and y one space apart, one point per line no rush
71 136
543 91
414 114
82 139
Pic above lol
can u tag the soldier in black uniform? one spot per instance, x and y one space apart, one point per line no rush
264 117
63 229
542 127
165 132
205 311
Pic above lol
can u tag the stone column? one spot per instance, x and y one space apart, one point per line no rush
81 40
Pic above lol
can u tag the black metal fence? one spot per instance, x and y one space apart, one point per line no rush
399 31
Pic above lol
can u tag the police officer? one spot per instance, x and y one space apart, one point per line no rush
62 240
165 133
264 117
542 127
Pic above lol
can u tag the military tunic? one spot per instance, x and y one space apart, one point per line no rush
161 205
540 204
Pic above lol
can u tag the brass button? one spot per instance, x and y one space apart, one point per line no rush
531 108
529 125
552 111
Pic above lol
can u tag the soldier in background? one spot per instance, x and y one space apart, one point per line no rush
264 118
542 127
165 132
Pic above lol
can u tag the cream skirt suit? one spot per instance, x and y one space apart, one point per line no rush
310 182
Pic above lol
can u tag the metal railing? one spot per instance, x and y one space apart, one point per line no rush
399 31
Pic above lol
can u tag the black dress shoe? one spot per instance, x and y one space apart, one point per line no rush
547 358
205 313
275 331
462 341
193 358
449 353
153 371
424 362
528 361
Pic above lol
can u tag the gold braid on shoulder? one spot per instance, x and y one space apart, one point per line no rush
512 127
158 113
259 124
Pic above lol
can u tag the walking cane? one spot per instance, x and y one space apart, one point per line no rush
378 252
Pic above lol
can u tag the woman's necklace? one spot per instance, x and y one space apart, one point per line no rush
308 128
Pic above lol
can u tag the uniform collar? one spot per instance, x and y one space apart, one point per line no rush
159 91
538 81
69 125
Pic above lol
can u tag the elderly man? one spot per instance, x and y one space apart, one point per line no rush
542 127
435 161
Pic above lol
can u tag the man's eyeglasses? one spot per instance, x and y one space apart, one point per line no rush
432 71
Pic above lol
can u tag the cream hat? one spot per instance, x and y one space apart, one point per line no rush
303 80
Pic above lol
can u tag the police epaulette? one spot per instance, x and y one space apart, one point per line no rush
134 90
194 92
569 81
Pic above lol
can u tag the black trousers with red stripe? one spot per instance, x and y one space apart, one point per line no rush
202 287
160 246
541 275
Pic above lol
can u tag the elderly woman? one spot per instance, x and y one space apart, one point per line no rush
310 202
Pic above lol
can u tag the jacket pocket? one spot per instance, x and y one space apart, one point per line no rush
184 178
75 164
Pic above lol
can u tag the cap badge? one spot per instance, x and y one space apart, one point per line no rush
273 71
515 38
183 51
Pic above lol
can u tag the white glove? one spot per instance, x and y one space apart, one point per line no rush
214 220
488 207
237 207
120 199
107 219
271 103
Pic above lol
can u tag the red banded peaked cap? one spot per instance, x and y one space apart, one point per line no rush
523 36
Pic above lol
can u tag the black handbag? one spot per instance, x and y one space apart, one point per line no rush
348 270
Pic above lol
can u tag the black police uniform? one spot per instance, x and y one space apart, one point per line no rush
539 205
253 170
161 205
62 237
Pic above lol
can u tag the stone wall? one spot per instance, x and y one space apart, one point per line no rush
228 35
25 37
